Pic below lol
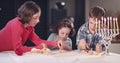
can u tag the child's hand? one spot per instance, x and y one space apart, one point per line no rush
35 50
44 46
60 45
98 48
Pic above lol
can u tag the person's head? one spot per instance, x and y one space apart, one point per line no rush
95 12
29 13
64 29
71 20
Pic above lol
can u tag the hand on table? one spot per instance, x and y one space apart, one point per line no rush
98 48
83 45
44 50
60 45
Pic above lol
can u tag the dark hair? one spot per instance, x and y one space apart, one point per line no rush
97 12
27 10
65 23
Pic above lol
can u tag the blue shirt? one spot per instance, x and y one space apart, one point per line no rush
53 36
84 33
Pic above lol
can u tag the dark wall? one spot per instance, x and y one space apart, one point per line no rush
6 12
79 17
57 15
9 11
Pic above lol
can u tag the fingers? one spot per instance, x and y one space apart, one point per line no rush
83 46
98 48
35 50
87 47
60 44
44 46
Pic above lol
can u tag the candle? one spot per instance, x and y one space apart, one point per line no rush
96 25
108 26
105 26
99 24
117 29
104 23
116 24
108 23
111 23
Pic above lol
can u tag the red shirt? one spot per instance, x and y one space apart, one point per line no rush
14 35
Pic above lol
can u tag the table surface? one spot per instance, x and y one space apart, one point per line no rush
58 57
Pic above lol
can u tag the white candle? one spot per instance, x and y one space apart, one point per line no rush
114 25
102 26
108 25
105 26
99 26
105 23
96 25
111 25
102 22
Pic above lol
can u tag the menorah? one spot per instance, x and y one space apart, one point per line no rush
107 28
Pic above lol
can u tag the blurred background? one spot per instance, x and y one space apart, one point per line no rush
55 10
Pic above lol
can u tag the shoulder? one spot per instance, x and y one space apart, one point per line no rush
52 34
84 27
14 22
69 39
